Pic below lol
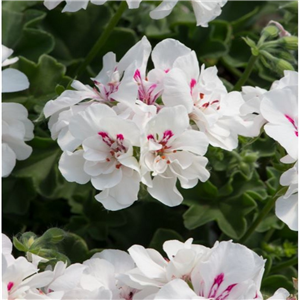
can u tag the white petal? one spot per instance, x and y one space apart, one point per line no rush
50 4
286 210
73 6
13 81
165 191
8 160
177 90
163 10
133 3
176 289
106 181
71 166
191 140
166 52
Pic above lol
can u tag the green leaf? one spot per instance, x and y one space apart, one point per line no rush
16 200
18 245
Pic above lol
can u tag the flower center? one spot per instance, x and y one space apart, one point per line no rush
145 91
116 146
165 148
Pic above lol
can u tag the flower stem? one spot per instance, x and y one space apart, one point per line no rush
235 71
267 208
246 73
103 38
284 265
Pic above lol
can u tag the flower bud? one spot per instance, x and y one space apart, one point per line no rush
289 42
283 65
271 31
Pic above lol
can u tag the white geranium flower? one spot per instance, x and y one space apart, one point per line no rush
250 111
155 271
231 271
105 157
282 118
214 111
16 129
21 278
205 11
76 5
12 79
107 83
170 151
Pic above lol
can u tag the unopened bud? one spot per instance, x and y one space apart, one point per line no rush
283 65
282 31
271 31
289 42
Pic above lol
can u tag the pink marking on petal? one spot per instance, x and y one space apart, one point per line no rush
167 134
10 285
215 287
167 70
137 75
120 137
150 137
215 101
192 84
296 132
226 292
106 139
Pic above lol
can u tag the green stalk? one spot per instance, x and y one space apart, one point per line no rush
235 71
284 265
246 73
270 204
103 38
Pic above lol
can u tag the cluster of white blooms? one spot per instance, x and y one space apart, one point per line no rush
16 127
205 10
278 110
154 127
225 271
134 126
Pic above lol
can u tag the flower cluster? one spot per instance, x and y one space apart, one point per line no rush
154 127
16 127
225 271
134 126
205 11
